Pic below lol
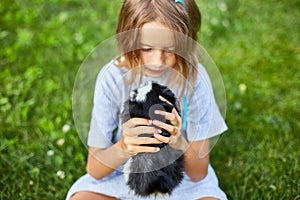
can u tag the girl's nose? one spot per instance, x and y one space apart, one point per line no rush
158 57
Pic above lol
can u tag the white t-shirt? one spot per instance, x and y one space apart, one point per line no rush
203 117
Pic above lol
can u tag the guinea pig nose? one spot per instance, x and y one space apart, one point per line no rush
153 116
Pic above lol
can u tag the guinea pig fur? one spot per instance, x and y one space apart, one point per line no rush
153 173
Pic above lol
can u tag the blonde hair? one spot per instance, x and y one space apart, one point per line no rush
184 20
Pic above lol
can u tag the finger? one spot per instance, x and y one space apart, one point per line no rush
171 129
174 111
133 122
141 130
162 138
146 129
173 117
143 140
143 149
168 116
164 100
177 120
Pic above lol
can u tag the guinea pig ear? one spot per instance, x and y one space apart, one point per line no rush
167 107
169 95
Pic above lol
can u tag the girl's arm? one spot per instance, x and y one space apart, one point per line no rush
196 166
102 162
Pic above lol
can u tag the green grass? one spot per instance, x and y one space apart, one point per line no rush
254 43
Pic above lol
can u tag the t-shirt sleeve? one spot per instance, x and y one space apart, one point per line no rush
204 119
104 113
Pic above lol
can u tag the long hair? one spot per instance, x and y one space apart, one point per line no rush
181 20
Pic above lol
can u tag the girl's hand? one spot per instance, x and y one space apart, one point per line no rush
131 142
176 140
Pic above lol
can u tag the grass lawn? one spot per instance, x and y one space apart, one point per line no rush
254 43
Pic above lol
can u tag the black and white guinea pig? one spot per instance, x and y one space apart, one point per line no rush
153 173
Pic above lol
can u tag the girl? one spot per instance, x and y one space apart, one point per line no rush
151 39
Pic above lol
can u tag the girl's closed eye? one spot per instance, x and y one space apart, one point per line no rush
167 50
146 49
170 50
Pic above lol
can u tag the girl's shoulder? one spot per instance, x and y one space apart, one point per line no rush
202 83
202 75
110 74
111 71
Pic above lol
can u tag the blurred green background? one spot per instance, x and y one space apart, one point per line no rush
254 43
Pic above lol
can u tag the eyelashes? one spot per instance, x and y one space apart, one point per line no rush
149 49
146 49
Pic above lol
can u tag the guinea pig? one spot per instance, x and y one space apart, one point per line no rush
160 172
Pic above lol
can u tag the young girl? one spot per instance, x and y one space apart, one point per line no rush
152 49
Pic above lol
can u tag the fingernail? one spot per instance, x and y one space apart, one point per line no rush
150 122
157 148
156 112
160 131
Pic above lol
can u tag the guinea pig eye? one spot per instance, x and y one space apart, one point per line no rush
132 95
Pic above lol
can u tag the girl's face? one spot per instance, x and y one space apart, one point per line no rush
157 49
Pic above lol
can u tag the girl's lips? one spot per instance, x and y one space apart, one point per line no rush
155 71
